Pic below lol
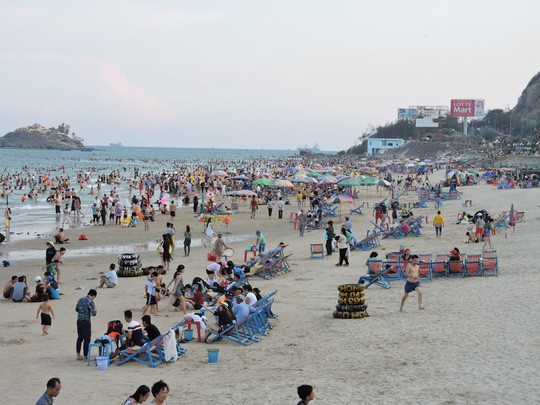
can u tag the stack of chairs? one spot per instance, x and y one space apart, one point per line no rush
329 211
394 267
424 266
388 232
249 331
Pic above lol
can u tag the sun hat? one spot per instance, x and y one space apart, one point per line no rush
454 252
38 278
50 278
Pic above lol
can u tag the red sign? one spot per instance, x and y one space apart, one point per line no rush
462 108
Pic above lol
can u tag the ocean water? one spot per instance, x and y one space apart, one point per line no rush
36 218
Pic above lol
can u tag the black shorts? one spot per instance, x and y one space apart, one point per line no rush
173 213
46 319
151 300
57 209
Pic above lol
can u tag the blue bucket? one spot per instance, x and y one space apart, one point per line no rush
213 355
188 335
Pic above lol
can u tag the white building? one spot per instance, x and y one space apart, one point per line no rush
381 145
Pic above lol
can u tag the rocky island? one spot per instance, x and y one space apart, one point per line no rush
38 137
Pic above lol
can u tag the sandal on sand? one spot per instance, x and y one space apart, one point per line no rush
79 357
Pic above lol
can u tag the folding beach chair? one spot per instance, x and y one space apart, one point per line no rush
422 203
358 210
317 251
473 265
234 333
371 241
438 267
218 209
151 354
490 264
376 275
424 266
329 211
455 268
500 221
394 269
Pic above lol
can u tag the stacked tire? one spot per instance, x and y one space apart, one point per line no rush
129 265
351 302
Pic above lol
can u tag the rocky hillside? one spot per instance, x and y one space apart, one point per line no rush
38 137
528 105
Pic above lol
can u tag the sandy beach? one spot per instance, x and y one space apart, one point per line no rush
478 341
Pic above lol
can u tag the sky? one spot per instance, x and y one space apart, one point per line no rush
253 74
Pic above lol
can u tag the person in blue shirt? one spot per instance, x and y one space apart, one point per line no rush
241 310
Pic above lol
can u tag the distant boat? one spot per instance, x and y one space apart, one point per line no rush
116 145
306 150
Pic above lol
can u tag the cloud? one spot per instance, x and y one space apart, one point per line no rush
127 96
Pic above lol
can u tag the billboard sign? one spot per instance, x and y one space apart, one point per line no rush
407 113
467 108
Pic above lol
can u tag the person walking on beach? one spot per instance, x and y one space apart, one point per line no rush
254 206
280 204
488 227
329 238
53 390
46 310
270 206
301 222
413 282
260 242
438 223
150 290
187 241
85 309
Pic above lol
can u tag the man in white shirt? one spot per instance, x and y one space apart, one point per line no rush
110 279
251 299
280 204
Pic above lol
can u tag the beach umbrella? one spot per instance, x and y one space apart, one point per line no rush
219 173
340 198
263 181
351 181
327 180
369 181
248 193
282 183
511 220
303 179
241 177
315 175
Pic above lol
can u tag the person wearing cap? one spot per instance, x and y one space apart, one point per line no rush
40 291
225 319
49 253
261 241
241 310
454 255
57 260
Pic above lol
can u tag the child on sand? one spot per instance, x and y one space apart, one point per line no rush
46 311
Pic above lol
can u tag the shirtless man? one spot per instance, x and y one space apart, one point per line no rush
413 282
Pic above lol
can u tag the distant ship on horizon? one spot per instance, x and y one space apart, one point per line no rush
116 145
306 150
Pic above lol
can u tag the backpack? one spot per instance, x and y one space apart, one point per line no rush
114 326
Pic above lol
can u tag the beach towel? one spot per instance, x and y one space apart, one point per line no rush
169 347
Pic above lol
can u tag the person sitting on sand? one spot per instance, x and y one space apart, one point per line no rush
110 278
60 237
197 301
20 291
8 288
